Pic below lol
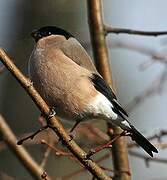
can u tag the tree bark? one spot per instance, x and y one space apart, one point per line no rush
97 30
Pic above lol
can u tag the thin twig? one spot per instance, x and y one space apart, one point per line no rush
45 157
147 158
2 69
34 169
48 150
31 136
59 152
96 133
54 122
116 30
155 88
104 157
156 56
104 146
115 172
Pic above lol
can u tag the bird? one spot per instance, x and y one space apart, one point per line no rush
65 76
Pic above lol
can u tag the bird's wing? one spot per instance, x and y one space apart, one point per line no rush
73 49
105 89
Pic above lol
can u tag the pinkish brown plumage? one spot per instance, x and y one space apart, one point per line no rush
47 65
66 78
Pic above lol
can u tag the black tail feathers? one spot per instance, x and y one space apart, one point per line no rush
142 141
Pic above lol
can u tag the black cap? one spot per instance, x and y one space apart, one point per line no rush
49 30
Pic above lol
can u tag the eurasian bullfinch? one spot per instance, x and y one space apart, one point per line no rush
65 76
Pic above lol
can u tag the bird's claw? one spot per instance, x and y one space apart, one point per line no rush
52 113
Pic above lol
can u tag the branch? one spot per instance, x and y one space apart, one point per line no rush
34 169
59 152
115 30
104 157
45 157
156 56
54 122
155 88
97 30
105 146
147 158
75 173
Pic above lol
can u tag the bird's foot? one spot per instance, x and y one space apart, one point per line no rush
52 113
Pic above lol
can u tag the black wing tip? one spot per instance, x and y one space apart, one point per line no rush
155 150
151 151
143 142
152 148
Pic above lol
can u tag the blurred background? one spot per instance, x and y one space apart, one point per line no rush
138 66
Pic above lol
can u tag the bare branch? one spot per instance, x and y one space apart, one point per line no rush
155 88
54 122
31 136
116 30
115 172
34 169
105 146
104 157
147 158
156 56
97 30
45 157
59 152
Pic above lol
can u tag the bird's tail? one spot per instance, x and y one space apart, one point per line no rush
142 141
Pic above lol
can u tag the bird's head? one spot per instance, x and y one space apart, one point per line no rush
42 32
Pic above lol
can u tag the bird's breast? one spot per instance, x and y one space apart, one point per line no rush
61 82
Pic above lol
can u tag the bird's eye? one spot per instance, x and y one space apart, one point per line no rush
49 33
